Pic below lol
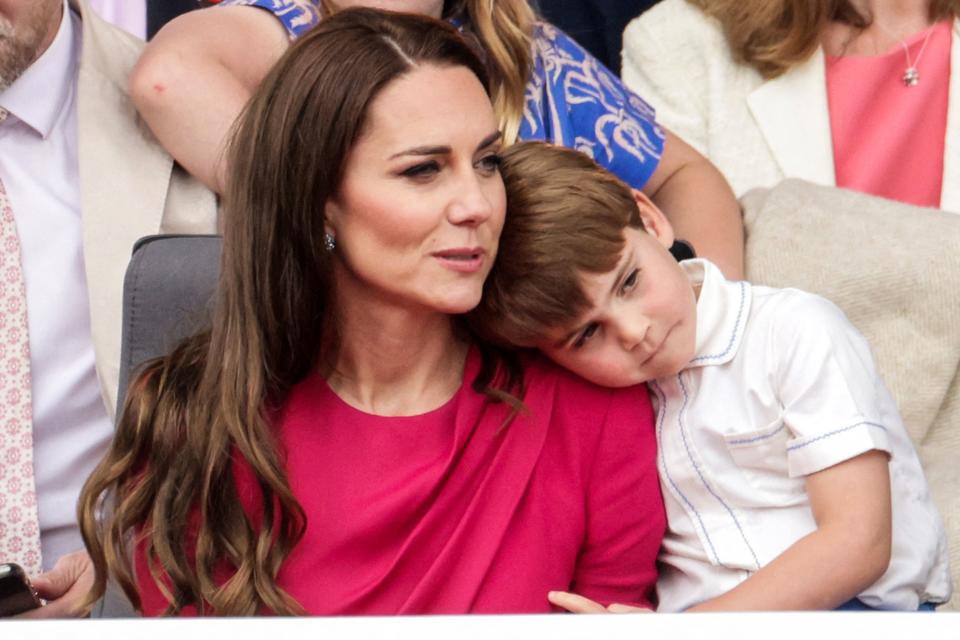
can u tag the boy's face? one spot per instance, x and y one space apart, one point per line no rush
642 320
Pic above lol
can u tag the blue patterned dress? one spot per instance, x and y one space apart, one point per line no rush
571 98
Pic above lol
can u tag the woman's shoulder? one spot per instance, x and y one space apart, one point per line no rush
568 393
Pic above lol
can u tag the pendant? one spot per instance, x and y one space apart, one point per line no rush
911 77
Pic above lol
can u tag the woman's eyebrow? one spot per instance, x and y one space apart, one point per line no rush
438 150
489 140
423 151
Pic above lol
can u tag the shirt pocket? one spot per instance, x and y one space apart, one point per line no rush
761 460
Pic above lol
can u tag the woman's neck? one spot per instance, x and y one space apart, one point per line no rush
393 359
891 22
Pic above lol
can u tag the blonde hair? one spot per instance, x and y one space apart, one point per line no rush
773 35
565 217
505 31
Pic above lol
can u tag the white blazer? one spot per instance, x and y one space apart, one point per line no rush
756 131
129 185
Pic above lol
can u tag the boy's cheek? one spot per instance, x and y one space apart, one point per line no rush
594 367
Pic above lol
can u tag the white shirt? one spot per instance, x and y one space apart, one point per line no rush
781 386
39 167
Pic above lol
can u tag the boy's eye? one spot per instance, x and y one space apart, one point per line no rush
422 170
630 281
587 333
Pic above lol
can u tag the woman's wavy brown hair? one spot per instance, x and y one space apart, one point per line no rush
773 35
166 486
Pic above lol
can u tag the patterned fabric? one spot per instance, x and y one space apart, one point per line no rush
575 101
19 520
571 99
297 16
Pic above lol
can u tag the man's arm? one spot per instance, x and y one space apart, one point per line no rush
195 77
64 587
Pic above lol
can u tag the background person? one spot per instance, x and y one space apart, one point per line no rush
80 181
199 71
852 93
352 448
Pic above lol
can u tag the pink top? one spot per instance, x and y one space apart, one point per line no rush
888 138
447 512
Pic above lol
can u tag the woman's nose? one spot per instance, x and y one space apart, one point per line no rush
471 203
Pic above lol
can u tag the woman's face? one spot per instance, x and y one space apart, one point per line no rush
432 8
419 212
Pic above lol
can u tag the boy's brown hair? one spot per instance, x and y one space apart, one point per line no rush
565 217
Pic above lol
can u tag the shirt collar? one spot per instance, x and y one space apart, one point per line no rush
38 96
722 310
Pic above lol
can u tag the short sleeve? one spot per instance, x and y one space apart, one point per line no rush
625 513
575 101
833 401
297 16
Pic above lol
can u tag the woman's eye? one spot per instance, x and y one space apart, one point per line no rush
422 170
587 333
490 164
630 281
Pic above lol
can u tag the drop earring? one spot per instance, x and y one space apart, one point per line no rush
329 242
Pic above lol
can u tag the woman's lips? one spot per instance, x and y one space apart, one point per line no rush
462 259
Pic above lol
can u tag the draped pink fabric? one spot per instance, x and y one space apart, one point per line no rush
889 139
447 512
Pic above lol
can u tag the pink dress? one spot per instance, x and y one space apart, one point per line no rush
447 512
888 138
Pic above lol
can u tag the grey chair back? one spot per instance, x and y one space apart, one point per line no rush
167 294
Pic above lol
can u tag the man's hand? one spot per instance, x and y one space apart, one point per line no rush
578 604
64 587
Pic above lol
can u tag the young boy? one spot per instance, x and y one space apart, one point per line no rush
789 479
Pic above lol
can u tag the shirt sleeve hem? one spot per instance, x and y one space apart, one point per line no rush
816 453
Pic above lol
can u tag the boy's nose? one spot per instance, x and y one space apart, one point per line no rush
632 329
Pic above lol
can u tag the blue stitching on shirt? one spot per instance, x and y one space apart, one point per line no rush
835 432
757 438
736 327
661 412
696 467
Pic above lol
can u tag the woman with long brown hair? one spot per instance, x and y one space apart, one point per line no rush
338 442
861 94
196 74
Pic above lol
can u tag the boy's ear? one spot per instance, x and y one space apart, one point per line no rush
655 223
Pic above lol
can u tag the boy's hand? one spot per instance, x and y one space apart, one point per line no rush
578 604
